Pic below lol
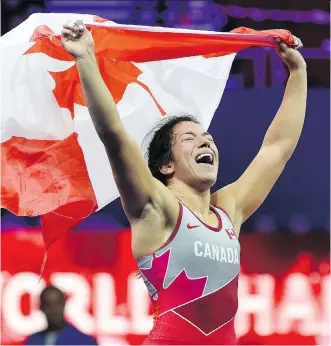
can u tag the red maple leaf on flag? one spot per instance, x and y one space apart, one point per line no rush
48 43
116 74
40 32
68 90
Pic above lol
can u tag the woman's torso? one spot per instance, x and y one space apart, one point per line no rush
192 280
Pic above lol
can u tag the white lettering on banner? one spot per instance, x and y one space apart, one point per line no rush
77 306
111 341
313 315
326 315
104 302
4 276
15 288
260 304
139 305
298 304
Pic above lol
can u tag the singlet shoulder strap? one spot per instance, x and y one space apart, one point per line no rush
223 213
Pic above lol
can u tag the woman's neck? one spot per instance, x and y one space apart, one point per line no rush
197 201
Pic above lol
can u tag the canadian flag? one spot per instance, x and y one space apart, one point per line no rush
52 161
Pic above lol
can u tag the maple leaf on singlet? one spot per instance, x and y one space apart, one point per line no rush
180 291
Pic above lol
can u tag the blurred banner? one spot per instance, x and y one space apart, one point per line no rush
283 289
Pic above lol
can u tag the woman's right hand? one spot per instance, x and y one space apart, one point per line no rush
76 39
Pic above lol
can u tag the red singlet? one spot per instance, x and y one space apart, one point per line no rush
193 282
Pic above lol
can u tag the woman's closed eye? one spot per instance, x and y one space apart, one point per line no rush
190 138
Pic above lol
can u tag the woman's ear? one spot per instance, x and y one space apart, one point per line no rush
167 169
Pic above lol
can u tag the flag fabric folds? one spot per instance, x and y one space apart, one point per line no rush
52 161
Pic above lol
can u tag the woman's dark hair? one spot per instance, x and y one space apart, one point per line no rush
160 140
